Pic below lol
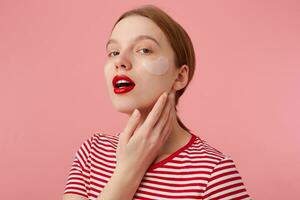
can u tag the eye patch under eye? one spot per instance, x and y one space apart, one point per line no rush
159 66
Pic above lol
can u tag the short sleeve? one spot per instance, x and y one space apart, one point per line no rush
225 183
78 178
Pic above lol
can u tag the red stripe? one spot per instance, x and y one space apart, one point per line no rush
195 157
228 194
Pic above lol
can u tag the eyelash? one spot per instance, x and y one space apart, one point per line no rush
149 51
109 55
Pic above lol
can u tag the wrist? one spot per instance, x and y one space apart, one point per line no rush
128 174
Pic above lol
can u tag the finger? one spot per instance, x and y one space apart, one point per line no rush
131 126
168 126
156 111
164 116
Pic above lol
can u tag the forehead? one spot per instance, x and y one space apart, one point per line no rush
131 27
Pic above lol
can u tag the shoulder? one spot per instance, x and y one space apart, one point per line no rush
100 139
203 151
95 145
223 178
202 147
105 137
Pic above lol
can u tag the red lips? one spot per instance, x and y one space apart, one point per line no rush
123 89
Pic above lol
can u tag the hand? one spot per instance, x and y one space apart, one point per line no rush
138 147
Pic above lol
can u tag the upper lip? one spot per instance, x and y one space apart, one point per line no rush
121 77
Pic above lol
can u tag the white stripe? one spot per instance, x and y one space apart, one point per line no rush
76 186
182 188
175 176
196 159
223 185
106 144
165 169
172 194
223 178
232 169
187 164
101 171
104 152
236 196
110 159
207 161
172 181
226 192
155 197
204 153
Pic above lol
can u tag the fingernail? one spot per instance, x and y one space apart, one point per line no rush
135 111
165 94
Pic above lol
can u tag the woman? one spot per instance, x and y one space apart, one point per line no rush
150 62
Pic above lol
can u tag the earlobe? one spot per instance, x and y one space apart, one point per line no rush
182 78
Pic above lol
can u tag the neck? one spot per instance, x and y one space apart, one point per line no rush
177 138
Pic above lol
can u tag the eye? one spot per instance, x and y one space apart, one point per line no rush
145 51
113 53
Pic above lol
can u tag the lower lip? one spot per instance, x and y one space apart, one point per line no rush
123 89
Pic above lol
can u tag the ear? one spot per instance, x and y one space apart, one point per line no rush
182 78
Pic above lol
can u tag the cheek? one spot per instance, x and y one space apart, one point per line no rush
158 67
107 72
107 68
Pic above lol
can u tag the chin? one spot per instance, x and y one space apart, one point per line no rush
128 108
125 110
124 107
127 105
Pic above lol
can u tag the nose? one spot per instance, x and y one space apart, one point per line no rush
122 61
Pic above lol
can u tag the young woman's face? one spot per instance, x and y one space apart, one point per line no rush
138 49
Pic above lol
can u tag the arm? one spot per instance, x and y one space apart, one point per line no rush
122 185
75 188
73 197
225 183
137 149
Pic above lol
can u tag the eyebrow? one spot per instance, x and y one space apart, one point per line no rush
140 37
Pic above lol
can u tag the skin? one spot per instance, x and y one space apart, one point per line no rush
152 133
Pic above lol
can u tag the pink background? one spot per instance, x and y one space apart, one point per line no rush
244 99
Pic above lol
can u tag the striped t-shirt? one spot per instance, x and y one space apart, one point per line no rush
195 171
